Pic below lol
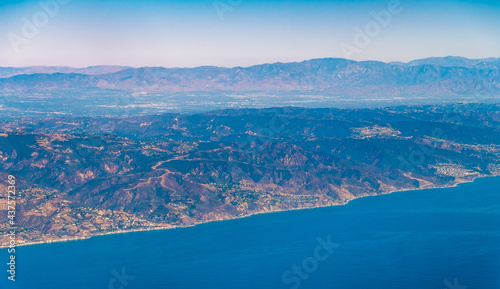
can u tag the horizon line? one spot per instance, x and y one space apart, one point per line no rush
258 64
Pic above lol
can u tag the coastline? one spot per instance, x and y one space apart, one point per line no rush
168 227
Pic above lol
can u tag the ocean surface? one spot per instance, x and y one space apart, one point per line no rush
427 239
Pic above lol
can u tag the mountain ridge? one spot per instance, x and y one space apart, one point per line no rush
426 60
6 72
323 74
85 176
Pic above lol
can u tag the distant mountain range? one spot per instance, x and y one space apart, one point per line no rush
446 76
452 61
6 72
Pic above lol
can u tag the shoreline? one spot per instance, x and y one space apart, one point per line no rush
168 227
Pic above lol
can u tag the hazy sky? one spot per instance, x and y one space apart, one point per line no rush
191 33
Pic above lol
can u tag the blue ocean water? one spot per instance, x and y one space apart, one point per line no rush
428 239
